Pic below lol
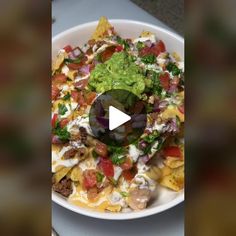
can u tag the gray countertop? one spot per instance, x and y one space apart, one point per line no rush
171 12
68 13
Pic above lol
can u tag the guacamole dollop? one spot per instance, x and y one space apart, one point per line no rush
119 72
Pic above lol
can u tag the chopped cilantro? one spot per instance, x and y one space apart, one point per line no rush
117 154
149 59
140 45
66 97
151 140
124 194
99 57
156 86
99 177
123 42
62 109
62 133
151 137
147 149
132 58
113 149
149 108
68 60
117 158
95 155
171 67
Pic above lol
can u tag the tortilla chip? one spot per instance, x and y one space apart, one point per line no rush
146 34
176 56
114 208
154 173
173 162
175 180
172 112
76 174
58 60
61 174
102 28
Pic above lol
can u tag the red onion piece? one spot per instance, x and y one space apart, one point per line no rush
148 43
172 88
71 56
56 140
142 144
156 107
103 121
171 126
144 159
163 104
85 69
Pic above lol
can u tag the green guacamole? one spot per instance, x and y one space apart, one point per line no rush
119 72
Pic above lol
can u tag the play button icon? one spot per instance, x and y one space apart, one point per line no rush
117 117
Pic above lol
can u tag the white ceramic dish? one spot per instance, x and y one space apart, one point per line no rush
129 29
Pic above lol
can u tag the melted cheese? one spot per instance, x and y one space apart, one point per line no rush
115 198
88 163
80 121
100 203
57 160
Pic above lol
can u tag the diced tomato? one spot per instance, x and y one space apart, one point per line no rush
127 164
77 66
54 119
158 48
107 53
68 48
54 92
89 97
77 96
81 99
119 48
101 149
165 80
56 140
92 66
145 51
64 122
107 167
74 66
181 109
172 151
89 179
59 79
129 174
155 50
81 84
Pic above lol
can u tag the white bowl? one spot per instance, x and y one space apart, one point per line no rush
79 35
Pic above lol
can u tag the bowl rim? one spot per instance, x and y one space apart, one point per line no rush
120 215
134 214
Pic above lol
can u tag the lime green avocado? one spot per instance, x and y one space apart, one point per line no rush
119 72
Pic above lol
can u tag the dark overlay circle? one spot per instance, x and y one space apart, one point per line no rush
126 102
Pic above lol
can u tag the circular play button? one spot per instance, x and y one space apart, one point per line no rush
118 117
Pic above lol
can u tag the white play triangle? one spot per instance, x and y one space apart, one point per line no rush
116 118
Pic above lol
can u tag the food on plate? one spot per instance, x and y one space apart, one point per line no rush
90 173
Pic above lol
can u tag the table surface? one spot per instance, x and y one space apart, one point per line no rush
69 13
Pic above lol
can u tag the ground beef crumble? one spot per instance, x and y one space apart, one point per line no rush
64 187
83 134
